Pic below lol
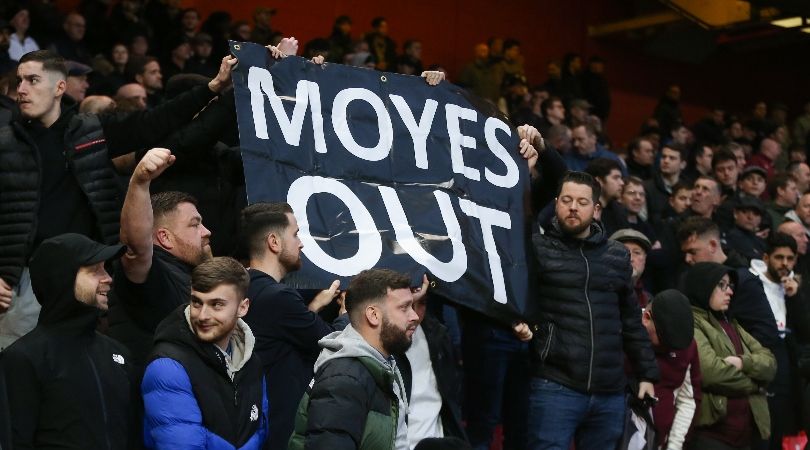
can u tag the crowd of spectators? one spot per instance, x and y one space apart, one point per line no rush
709 224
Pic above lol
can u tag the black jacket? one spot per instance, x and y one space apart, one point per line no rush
68 386
91 141
447 372
587 313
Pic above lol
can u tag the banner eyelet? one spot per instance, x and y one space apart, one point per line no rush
237 47
383 79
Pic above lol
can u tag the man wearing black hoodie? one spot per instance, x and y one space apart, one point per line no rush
67 385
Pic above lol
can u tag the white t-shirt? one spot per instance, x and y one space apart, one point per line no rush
17 49
424 420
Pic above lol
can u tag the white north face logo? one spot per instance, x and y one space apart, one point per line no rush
118 358
254 413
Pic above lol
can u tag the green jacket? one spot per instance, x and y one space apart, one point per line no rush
352 403
722 380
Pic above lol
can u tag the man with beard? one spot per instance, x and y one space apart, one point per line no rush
358 398
585 294
203 387
165 240
775 270
287 330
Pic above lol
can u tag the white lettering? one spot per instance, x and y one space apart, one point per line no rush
490 217
512 174
454 114
370 242
447 271
419 131
341 124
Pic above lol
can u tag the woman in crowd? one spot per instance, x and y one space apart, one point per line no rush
735 367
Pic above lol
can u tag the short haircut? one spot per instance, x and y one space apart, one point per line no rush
778 240
700 227
371 286
795 165
676 148
409 43
136 65
220 270
723 155
51 61
681 186
557 131
260 219
602 167
589 128
634 180
780 181
548 103
635 144
509 43
582 178
718 189
165 203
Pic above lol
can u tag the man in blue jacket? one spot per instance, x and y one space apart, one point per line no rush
204 388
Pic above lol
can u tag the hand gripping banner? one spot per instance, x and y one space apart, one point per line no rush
383 170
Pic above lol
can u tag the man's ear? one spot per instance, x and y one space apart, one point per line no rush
61 86
244 306
164 238
273 242
373 315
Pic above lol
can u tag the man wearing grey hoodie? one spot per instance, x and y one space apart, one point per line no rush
357 399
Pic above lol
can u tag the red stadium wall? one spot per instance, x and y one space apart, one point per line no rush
548 29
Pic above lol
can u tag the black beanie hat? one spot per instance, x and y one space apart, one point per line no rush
673 319
702 278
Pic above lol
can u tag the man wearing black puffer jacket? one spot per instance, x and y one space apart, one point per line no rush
586 319
56 176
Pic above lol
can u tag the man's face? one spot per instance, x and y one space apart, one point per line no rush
681 135
697 249
753 184
21 21
770 148
612 185
584 143
382 28
748 219
671 163
135 92
649 324
512 54
796 231
644 155
203 50
151 78
76 87
92 285
681 200
557 111
705 197
575 208
290 256
788 195
803 209
481 51
38 91
120 54
182 52
638 259
190 238
726 173
75 27
780 262
190 20
633 197
415 50
802 174
399 321
739 153
704 161
214 314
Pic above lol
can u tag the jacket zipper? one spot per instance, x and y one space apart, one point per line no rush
103 401
590 312
546 349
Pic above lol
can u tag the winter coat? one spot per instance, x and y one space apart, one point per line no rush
588 315
196 398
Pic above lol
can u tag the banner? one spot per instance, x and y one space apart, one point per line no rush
383 170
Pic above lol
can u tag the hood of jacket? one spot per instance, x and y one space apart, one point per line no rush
701 279
347 343
53 268
176 329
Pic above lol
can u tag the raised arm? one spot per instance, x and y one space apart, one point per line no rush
137 220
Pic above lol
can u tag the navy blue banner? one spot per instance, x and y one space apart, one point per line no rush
383 170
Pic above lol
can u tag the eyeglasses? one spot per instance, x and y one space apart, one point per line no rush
725 285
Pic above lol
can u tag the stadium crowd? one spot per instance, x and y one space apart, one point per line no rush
671 308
